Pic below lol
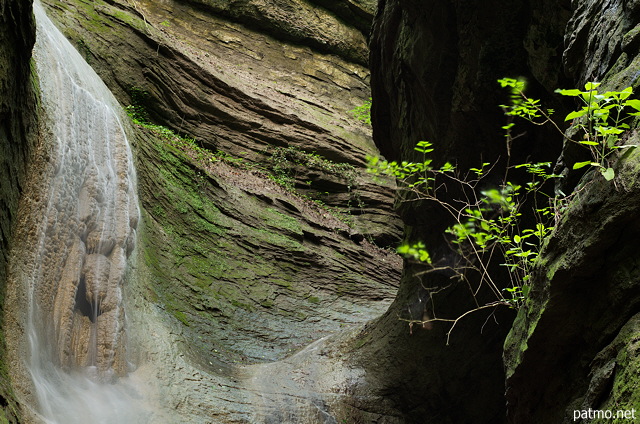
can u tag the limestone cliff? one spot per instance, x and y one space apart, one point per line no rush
17 119
234 267
235 88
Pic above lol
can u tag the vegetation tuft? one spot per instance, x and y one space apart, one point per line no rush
513 220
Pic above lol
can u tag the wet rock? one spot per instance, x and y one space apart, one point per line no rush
586 284
217 74
602 31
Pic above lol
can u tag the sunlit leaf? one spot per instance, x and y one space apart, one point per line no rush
575 114
572 92
634 103
579 165
591 85
608 174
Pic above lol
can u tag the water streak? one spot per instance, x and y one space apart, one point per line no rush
77 340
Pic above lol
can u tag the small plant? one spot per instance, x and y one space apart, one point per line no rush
137 110
363 112
285 160
288 162
200 155
601 121
488 222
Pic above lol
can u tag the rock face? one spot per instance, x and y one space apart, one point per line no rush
342 32
252 271
240 269
239 273
17 120
234 88
434 72
573 346
216 73
579 329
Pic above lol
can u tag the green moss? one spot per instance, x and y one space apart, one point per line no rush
278 240
275 219
213 251
181 316
631 35
362 338
267 303
245 306
625 392
281 282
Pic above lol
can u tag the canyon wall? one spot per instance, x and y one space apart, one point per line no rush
17 122
245 273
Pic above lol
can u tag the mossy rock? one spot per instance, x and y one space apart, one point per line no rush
241 262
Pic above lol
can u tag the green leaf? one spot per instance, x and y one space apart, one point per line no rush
588 98
574 92
424 256
591 86
626 93
576 114
588 143
507 82
403 249
447 167
516 239
579 165
634 103
609 130
608 174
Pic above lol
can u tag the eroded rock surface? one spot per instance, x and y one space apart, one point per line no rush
17 122
237 269
264 272
239 274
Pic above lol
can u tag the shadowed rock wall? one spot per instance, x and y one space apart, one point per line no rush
434 71
17 119
573 345
578 332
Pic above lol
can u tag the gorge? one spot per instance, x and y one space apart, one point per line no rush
236 263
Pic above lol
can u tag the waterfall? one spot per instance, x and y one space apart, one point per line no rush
76 322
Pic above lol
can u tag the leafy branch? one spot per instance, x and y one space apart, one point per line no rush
490 223
601 120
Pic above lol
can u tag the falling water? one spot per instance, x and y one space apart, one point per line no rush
76 323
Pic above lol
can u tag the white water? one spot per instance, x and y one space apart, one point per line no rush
76 326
